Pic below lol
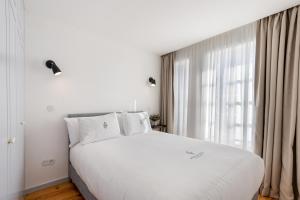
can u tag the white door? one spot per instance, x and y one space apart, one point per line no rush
3 103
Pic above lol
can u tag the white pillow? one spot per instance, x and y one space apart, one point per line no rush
136 123
93 129
73 129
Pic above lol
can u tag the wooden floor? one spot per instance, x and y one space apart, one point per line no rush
65 191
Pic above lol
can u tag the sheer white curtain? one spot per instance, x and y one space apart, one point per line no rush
213 89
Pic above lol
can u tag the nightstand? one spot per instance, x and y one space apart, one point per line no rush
160 127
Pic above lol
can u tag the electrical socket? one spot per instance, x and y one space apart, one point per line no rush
46 163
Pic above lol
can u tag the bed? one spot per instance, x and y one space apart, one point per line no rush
161 166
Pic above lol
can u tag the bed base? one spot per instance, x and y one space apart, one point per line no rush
255 197
81 186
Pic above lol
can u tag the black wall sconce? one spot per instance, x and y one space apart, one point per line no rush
152 82
51 65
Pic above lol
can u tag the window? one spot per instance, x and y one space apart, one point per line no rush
227 87
213 89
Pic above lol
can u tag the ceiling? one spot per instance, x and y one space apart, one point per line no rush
158 26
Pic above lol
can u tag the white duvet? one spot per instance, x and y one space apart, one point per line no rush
162 166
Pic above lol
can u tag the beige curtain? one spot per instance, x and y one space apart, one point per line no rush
167 94
277 96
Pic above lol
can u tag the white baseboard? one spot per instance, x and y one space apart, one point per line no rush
46 184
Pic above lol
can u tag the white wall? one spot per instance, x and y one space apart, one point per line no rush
99 75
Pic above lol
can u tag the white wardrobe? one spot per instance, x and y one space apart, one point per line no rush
11 99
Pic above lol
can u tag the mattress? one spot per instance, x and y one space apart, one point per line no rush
159 166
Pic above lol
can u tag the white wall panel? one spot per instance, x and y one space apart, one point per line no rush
12 100
98 75
3 103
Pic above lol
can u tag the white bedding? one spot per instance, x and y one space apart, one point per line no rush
158 166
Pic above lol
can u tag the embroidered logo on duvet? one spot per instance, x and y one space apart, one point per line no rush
194 155
105 125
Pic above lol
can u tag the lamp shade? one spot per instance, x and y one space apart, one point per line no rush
51 65
152 82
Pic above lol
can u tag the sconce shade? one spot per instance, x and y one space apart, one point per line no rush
51 65
152 82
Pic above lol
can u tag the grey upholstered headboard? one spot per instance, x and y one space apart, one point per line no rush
86 114
95 114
